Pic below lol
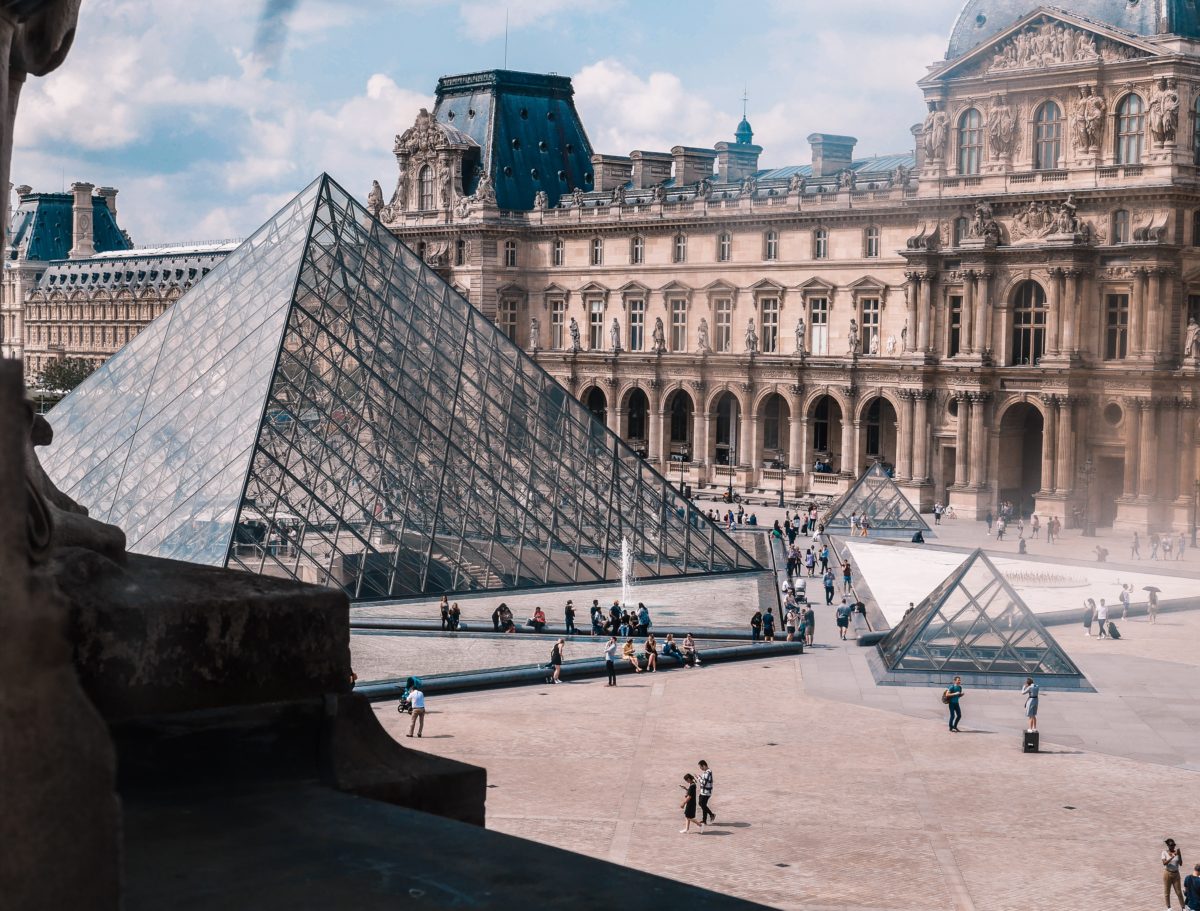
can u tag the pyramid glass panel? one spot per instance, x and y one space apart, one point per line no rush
323 406
974 623
876 496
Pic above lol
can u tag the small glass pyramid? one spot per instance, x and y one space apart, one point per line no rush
876 496
323 406
974 623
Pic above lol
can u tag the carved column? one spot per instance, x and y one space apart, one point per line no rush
797 427
702 451
1146 454
1187 450
1133 424
754 454
904 443
746 436
1053 331
1065 447
616 420
849 460
925 342
967 317
978 460
914 288
984 314
1137 313
1068 327
1156 308
920 431
960 439
654 415
1049 432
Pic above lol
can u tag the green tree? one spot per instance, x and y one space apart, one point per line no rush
66 374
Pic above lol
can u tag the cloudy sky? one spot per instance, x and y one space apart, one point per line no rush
207 120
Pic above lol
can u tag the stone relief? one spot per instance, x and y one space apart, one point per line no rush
1002 128
1048 43
1042 219
535 334
927 238
800 336
618 195
658 337
1087 120
984 225
484 190
852 337
796 184
1163 111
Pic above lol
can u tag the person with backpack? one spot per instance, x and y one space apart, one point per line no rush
416 699
1102 619
1030 692
756 626
706 789
951 696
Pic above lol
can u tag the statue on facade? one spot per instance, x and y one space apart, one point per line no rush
541 200
535 334
705 190
577 197
1163 112
447 194
658 337
1191 341
614 335
484 191
573 329
874 349
846 179
702 336
463 207
904 334
984 224
749 186
1002 128
796 184
899 177
1087 120
1066 221
659 193
618 195
936 130
891 345
751 338
375 198
801 347
852 336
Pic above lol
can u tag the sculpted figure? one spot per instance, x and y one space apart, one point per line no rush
1191 342
1163 112
874 349
1002 128
847 179
800 336
614 335
751 337
796 184
702 336
904 333
1087 120
936 129
573 329
541 200
659 193
484 191
535 334
375 198
704 191
658 337
891 345
749 185
852 337
1067 221
618 195
577 197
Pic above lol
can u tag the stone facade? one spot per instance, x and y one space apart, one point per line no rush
1000 315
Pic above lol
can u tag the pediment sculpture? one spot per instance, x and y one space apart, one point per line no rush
1048 42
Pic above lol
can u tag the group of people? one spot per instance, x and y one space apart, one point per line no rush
1098 614
699 790
1172 865
686 654
451 615
619 620
1159 544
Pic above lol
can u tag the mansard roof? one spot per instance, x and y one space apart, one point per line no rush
42 227
982 20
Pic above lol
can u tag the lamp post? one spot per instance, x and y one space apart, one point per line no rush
782 474
1087 471
683 459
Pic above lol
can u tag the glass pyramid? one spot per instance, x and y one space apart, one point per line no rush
974 623
876 496
323 406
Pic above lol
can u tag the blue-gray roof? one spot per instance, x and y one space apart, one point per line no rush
529 133
43 227
880 164
981 20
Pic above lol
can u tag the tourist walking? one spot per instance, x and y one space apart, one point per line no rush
1172 861
847 573
828 580
952 695
843 618
1135 548
1125 596
1089 614
810 622
1102 618
988 518
791 621
756 626
651 648
1035 527
416 699
1052 526
1153 546
810 562
569 617
689 805
825 559
556 660
1180 546
1191 890
937 513
1030 692
610 660
706 789
1152 606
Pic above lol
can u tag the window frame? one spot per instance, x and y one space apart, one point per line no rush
1130 130
596 251
820 243
637 250
770 311
1047 137
677 308
723 325
818 306
637 323
1116 325
507 310
970 142
425 188
771 246
679 244
558 253
1120 226
1029 321
724 247
593 306
558 323
872 242
510 254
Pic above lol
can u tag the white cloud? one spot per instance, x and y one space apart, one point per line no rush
485 20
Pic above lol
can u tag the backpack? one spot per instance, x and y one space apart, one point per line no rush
1113 632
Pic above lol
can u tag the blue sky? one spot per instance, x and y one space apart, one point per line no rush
168 101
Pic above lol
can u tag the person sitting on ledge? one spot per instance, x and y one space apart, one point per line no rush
671 650
691 657
506 620
538 620
630 655
917 537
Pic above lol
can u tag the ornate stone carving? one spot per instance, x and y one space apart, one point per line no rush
1002 128
800 337
541 200
847 179
1087 120
535 334
618 195
658 338
1163 112
573 330
375 198
936 130
751 338
852 337
927 239
1191 341
1046 43
749 186
485 192
1041 219
702 343
984 225
614 335
796 184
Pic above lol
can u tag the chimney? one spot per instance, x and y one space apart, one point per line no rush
81 222
830 153
109 195
692 165
650 168
611 171
736 161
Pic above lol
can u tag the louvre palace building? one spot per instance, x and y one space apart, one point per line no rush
1003 313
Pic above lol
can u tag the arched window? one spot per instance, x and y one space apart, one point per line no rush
637 250
679 248
1120 227
871 242
820 243
1131 128
597 251
724 247
1047 138
1029 324
510 254
425 188
559 253
970 141
771 245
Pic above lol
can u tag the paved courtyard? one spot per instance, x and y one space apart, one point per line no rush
833 793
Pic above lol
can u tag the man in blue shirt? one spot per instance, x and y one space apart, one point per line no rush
843 617
953 693
1191 889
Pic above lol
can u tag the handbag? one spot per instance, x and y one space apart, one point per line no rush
945 697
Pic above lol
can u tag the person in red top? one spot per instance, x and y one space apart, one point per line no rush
538 620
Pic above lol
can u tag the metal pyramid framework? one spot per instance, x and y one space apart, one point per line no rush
975 624
876 496
323 406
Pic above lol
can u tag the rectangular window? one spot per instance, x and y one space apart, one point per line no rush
1116 326
637 325
506 317
724 247
872 244
596 324
818 309
679 325
820 244
510 254
954 325
460 252
597 251
679 246
1193 308
558 256
770 325
558 321
723 342
870 325
771 246
637 250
